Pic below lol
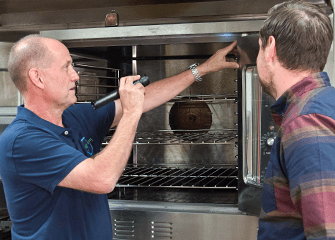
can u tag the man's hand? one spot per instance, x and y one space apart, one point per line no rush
131 96
218 61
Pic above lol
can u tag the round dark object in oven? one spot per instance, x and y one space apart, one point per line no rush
190 114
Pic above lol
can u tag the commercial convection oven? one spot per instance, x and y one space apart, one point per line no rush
192 157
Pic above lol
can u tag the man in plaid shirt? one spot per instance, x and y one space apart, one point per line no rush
299 190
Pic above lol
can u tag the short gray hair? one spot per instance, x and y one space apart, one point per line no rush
303 34
29 52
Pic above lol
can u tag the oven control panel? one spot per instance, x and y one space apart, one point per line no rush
267 133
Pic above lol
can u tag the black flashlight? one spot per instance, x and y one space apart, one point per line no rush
110 97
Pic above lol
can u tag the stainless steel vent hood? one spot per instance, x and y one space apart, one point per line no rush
20 17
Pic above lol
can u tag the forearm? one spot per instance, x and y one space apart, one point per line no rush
110 163
101 173
162 91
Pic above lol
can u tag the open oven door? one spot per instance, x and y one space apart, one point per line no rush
257 129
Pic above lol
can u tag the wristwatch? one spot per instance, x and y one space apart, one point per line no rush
195 72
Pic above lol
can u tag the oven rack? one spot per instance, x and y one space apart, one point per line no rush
166 177
96 76
87 66
179 137
211 98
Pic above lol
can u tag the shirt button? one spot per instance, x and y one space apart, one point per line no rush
66 132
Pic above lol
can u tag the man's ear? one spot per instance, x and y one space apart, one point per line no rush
35 77
271 50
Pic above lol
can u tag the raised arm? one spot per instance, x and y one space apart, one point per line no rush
101 173
162 91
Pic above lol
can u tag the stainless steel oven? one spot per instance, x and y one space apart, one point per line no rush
192 173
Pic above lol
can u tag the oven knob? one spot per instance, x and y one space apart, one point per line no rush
270 141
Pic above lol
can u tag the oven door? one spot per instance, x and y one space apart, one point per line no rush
257 131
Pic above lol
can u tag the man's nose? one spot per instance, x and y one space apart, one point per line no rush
74 76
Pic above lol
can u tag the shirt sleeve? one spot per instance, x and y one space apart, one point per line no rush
308 146
42 159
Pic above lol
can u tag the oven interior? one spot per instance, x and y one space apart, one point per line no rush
186 149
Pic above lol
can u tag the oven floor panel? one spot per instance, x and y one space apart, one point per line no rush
219 196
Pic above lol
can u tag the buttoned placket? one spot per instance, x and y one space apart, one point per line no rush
69 138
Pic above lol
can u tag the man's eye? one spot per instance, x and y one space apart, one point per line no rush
67 65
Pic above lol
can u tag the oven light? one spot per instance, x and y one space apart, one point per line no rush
227 35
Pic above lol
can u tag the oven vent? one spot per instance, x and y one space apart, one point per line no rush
161 230
163 177
123 229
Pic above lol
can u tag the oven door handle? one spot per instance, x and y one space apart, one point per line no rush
251 123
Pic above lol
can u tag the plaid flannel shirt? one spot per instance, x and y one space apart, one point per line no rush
298 200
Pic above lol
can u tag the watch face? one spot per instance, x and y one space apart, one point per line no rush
193 65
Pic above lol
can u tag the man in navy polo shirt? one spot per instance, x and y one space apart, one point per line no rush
55 179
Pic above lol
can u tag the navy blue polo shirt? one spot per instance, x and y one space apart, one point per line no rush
35 157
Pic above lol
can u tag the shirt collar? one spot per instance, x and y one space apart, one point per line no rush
27 115
313 81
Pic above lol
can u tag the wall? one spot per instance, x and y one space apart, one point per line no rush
8 93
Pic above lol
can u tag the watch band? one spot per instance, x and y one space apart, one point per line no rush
195 72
